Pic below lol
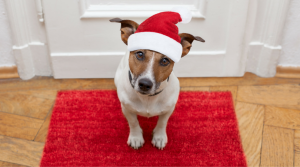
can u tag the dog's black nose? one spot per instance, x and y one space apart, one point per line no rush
145 84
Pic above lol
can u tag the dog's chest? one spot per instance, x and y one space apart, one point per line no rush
148 106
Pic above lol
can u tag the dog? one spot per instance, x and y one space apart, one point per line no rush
147 86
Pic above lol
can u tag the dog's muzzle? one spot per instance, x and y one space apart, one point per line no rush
130 81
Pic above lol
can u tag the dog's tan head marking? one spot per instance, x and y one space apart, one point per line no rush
138 61
162 67
150 68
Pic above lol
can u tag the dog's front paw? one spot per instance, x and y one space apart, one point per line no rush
159 139
136 141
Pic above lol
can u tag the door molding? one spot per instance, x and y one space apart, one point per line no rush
135 11
85 65
235 34
29 38
264 44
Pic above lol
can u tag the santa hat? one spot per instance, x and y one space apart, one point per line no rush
160 33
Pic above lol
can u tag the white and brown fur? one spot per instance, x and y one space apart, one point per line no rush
136 101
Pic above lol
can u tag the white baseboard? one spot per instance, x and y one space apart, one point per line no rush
262 59
32 59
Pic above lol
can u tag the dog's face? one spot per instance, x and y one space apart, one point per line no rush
149 70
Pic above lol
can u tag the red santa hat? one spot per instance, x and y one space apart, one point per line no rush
160 33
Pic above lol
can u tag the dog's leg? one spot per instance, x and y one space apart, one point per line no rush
160 138
135 139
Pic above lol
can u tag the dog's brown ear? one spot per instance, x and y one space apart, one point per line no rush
128 27
186 42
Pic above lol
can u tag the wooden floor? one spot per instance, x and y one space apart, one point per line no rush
268 111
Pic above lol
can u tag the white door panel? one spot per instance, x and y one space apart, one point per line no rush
84 44
241 35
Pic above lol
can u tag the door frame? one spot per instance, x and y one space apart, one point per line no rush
262 37
30 48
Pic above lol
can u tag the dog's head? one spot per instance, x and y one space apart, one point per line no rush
150 70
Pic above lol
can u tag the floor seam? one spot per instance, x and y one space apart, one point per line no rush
262 137
20 115
23 139
15 163
279 127
294 149
268 105
51 108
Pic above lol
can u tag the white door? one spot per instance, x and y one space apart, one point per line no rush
84 44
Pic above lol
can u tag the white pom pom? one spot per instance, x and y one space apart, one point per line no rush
185 14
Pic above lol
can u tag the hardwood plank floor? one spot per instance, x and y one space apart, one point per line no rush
282 117
42 134
7 164
19 126
49 83
249 79
267 109
35 104
196 88
250 118
286 96
277 148
297 148
20 151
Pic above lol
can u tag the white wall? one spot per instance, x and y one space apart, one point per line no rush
6 54
290 55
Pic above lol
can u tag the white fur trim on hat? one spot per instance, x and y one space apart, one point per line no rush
185 14
156 42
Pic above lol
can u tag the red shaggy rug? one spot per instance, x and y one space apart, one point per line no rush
87 128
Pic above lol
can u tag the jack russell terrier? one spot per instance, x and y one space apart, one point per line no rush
146 85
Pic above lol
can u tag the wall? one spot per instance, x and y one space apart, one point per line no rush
6 53
290 55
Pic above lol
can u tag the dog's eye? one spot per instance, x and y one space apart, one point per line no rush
165 62
140 55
